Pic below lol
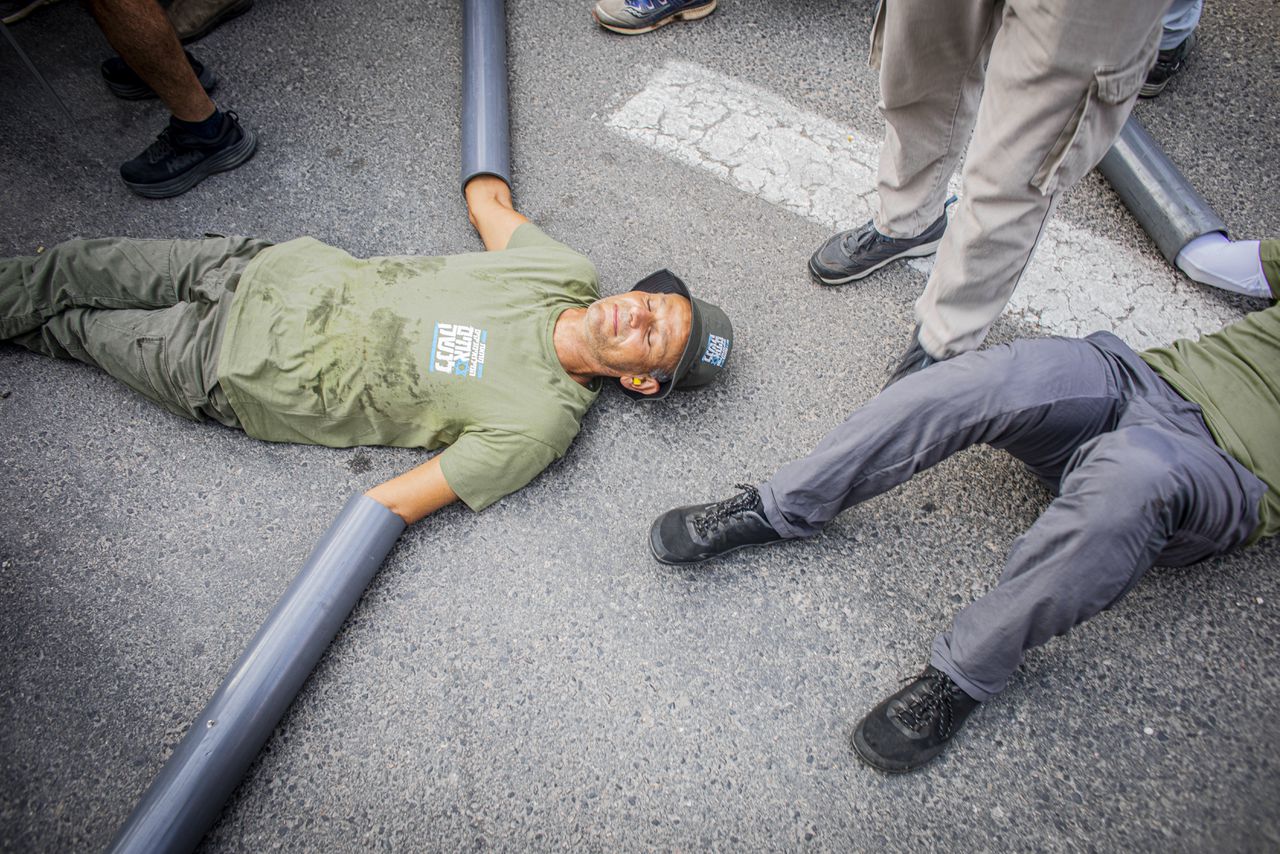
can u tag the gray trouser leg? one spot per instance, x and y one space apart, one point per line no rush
1157 489
1038 399
148 312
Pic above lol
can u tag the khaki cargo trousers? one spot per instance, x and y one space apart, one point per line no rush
1044 86
151 313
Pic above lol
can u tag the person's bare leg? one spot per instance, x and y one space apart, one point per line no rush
139 30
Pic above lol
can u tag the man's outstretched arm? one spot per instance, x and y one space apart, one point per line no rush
490 210
417 493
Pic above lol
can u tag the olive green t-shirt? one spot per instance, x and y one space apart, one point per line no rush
1234 375
415 351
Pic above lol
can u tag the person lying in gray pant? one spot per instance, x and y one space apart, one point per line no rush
1169 456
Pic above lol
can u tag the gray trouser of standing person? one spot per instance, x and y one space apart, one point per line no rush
151 313
1043 86
1137 476
1180 22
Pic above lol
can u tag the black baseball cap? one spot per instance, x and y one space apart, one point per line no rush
710 338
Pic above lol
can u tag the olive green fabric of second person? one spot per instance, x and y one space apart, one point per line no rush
1234 375
416 351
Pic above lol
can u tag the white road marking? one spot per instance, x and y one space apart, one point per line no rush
1077 283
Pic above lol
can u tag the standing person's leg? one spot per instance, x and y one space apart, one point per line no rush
1038 399
139 30
931 58
1155 490
200 139
1177 37
1179 22
1062 78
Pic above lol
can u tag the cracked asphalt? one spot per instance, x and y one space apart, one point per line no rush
528 677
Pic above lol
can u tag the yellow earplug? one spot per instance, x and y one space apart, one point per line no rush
637 381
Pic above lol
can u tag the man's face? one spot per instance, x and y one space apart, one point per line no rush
636 332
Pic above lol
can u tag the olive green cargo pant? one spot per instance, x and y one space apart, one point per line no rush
148 312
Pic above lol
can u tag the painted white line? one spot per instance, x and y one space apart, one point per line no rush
1078 282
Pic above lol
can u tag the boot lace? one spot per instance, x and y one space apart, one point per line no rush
718 513
932 704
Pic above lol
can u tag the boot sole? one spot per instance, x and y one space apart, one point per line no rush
224 160
690 15
227 14
653 547
914 252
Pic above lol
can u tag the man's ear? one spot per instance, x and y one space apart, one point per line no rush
647 385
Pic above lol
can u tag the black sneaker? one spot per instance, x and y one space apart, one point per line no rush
124 83
702 531
916 358
1168 63
178 160
914 725
859 252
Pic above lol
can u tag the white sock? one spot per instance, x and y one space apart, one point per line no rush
1233 265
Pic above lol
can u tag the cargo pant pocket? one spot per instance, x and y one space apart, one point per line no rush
154 371
1093 125
875 50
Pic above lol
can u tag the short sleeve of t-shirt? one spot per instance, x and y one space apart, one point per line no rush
485 465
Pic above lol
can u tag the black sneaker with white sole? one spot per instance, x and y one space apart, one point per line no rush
125 83
178 159
1168 64
914 725
702 531
859 252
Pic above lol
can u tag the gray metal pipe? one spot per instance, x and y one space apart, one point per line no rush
486 139
190 790
1165 204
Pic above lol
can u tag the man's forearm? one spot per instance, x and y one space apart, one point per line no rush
417 493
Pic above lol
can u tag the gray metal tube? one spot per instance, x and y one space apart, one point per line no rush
1165 204
190 790
486 142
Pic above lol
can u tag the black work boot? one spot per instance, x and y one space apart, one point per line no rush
701 531
914 725
178 160
916 358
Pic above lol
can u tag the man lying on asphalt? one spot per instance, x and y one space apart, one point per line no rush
1166 457
495 354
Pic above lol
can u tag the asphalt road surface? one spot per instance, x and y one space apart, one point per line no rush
528 677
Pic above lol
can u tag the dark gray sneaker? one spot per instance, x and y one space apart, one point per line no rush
914 725
702 531
916 358
632 17
178 160
859 252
